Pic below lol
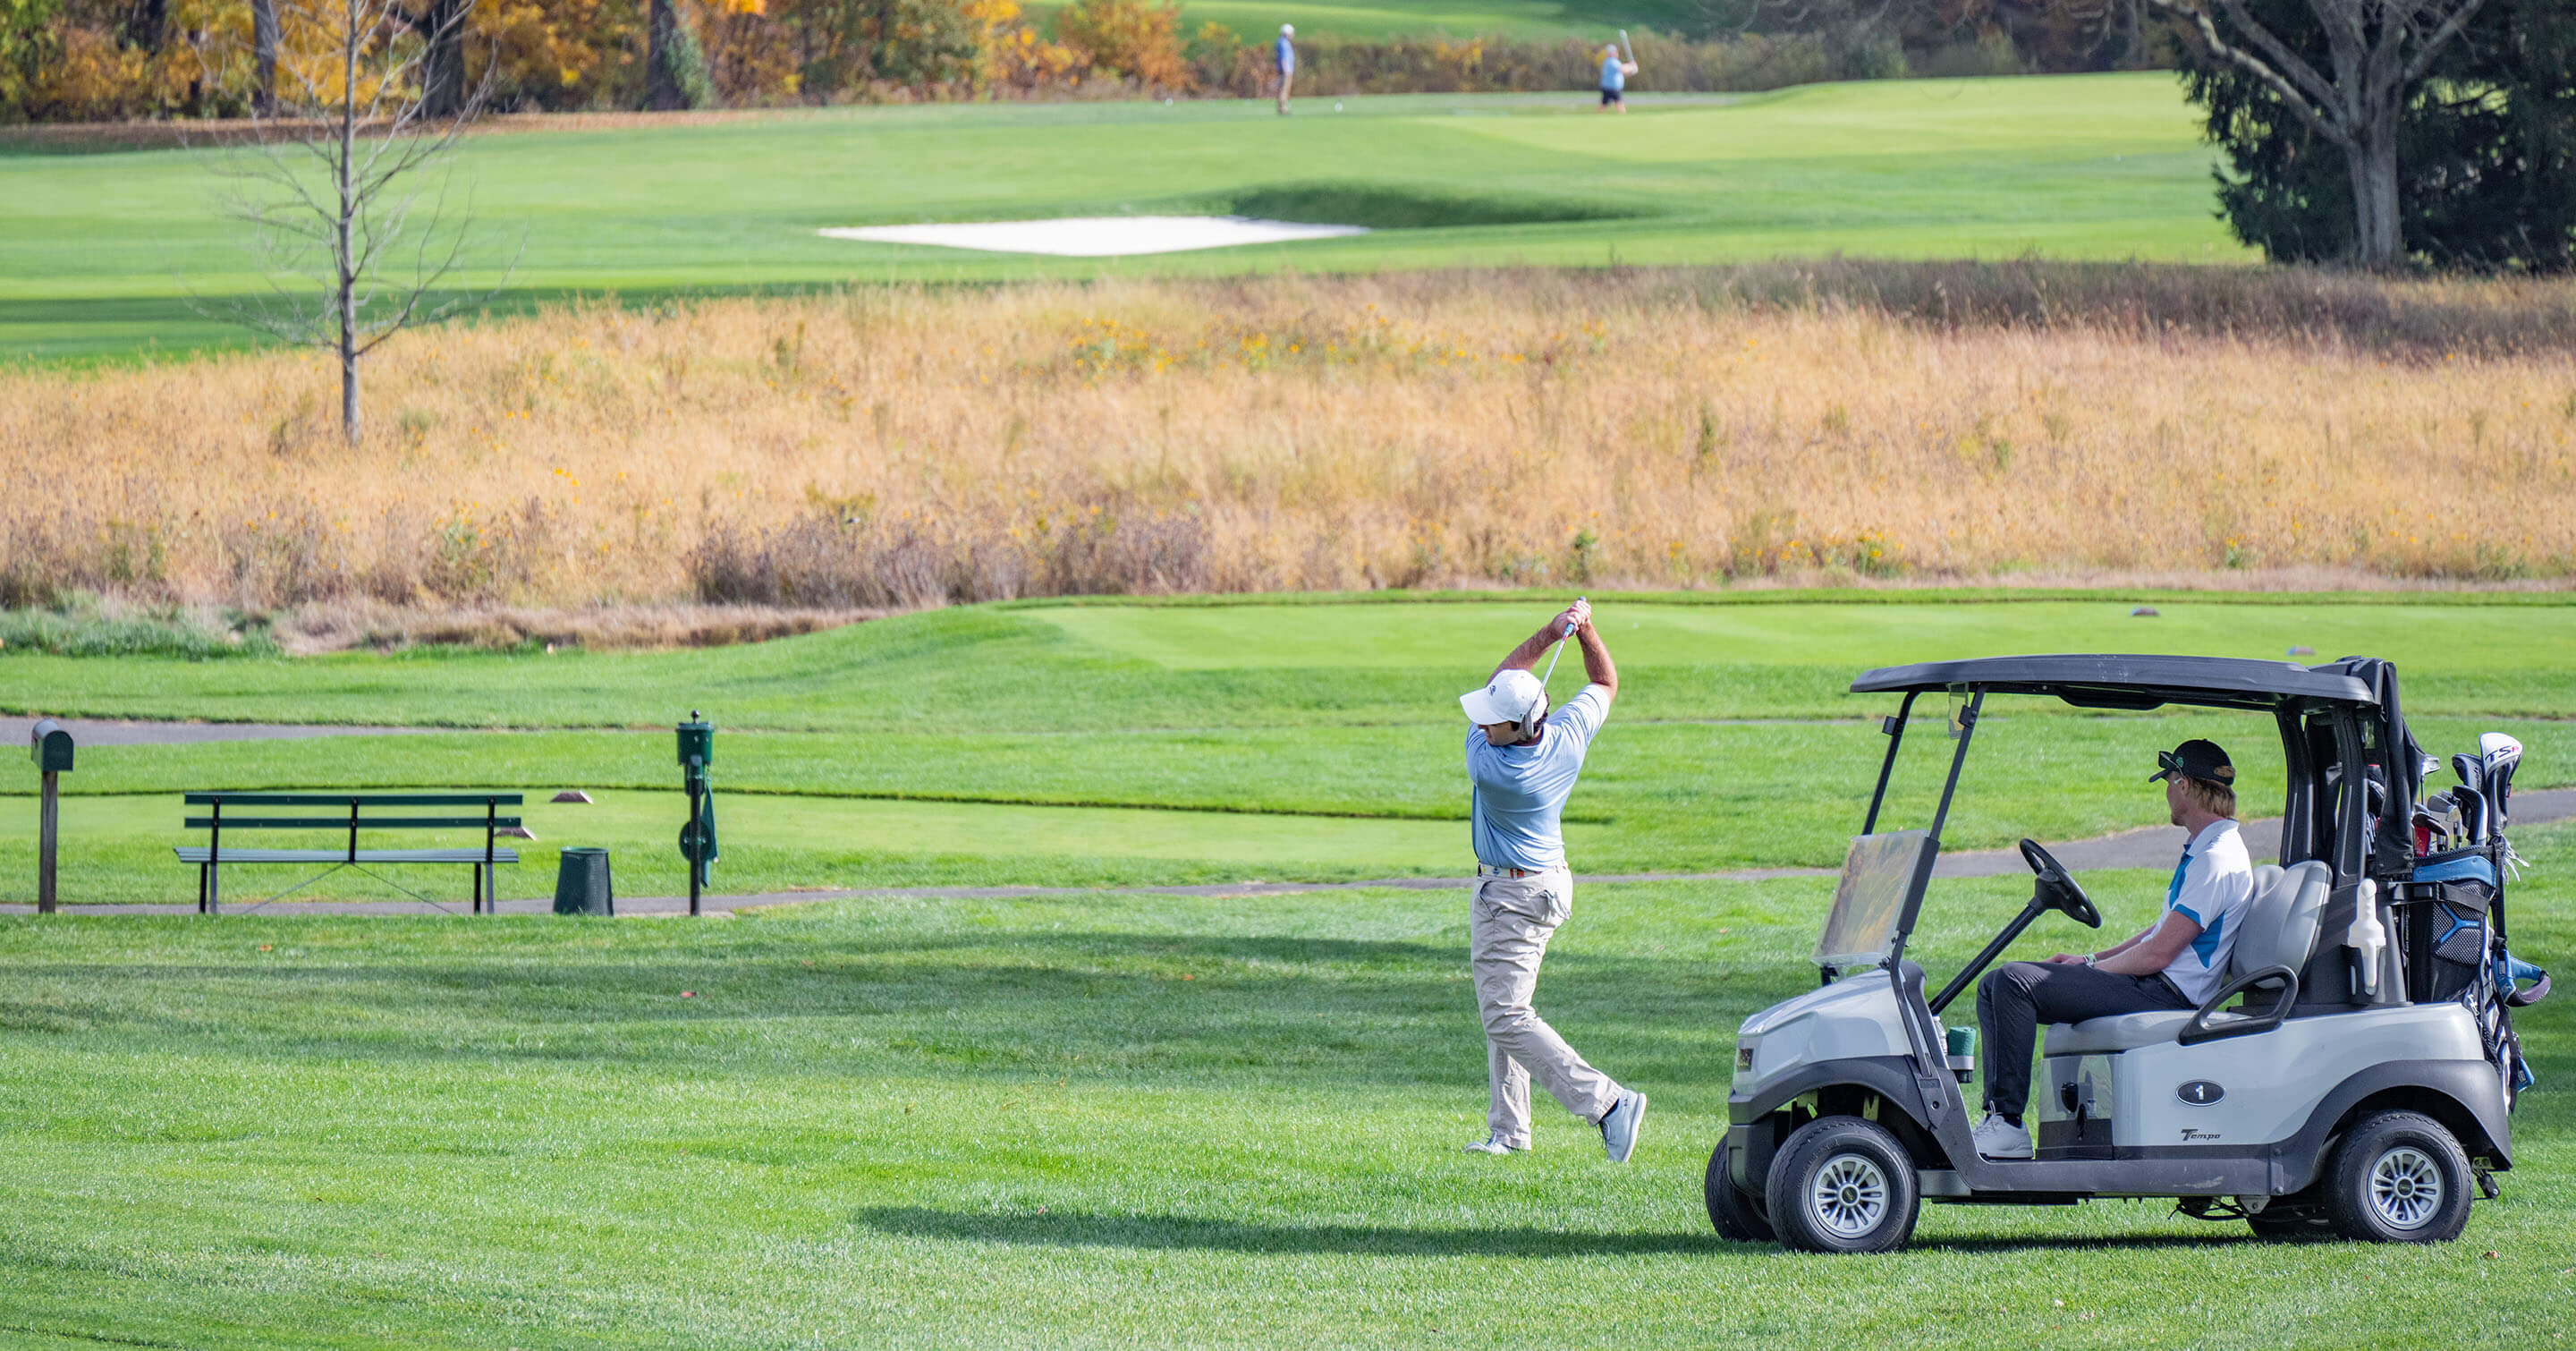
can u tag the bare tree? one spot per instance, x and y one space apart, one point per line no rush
332 177
2376 50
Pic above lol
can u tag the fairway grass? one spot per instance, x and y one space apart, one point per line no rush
1103 1121
1104 744
106 250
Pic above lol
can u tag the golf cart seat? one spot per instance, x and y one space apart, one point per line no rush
2280 930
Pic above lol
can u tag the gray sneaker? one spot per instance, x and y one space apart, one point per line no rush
1620 1124
2000 1139
1493 1144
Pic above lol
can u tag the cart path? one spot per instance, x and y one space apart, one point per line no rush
99 732
2149 847
134 732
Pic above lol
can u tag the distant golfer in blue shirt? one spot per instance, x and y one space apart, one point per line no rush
1283 54
1614 78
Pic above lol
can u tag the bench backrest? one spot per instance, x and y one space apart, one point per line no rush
352 814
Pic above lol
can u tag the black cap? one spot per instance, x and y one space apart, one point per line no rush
2196 760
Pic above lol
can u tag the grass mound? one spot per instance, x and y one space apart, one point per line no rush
1386 206
82 627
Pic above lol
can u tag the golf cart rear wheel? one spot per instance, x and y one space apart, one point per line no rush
1841 1184
2398 1177
1738 1217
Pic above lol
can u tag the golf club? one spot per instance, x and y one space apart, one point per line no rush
1627 48
2498 754
2476 821
2428 829
2445 815
1568 632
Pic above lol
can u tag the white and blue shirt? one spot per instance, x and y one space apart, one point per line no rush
2212 887
1283 54
1520 791
1613 77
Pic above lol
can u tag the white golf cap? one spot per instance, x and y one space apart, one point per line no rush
1288 30
1511 696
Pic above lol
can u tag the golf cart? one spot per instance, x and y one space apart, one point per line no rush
2352 1075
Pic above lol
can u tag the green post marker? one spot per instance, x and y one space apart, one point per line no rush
698 837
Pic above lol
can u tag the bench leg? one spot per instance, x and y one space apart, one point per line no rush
477 907
201 888
214 889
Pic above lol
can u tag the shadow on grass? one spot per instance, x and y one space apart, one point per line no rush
1074 1229
2216 1235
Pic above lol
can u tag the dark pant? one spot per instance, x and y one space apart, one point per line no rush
2015 998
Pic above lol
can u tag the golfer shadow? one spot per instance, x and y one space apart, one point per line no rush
1078 1229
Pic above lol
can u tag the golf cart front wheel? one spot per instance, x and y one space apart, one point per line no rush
2398 1177
1738 1217
1841 1184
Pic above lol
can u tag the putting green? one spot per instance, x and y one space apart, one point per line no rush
1468 637
1256 20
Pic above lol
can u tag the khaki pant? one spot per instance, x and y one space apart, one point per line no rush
1509 923
1286 78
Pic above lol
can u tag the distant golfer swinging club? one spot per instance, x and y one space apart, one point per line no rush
1522 761
1283 55
1615 71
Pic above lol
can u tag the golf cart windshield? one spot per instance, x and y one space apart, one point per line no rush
1869 902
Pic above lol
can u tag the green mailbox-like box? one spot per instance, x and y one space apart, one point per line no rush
49 744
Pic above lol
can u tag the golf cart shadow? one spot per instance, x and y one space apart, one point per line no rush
1077 1229
2005 1243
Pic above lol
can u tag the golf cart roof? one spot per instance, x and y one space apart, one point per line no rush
2134 682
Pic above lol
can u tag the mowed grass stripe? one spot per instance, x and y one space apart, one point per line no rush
1254 662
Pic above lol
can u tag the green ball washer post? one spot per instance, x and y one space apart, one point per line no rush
698 838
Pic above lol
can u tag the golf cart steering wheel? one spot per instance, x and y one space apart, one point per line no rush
2057 890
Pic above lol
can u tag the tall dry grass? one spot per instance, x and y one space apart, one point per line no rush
908 447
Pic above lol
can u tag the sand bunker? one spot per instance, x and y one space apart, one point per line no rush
1099 236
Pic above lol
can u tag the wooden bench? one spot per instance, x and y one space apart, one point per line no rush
249 813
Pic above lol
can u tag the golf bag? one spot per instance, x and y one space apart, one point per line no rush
2458 915
2464 882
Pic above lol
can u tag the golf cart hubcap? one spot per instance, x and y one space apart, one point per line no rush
2405 1187
1849 1197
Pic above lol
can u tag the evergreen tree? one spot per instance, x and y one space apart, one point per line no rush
2486 147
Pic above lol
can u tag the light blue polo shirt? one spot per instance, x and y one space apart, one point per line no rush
1612 77
1520 791
1284 53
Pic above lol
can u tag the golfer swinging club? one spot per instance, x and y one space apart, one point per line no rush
1615 70
1283 60
1522 760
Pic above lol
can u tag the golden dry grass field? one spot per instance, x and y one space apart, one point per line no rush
894 447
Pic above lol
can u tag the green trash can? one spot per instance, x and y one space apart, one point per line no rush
581 884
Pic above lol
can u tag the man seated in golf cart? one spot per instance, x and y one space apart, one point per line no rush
2175 963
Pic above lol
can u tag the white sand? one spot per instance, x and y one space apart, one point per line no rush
1098 236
